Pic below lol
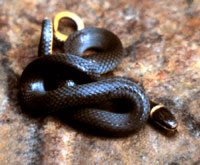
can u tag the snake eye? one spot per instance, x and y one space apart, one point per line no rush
163 117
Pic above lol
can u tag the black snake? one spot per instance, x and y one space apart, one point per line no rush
72 83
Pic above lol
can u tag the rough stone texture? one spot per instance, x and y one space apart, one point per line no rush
162 42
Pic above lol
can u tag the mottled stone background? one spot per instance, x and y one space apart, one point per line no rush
162 46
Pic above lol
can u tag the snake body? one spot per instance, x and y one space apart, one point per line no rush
72 83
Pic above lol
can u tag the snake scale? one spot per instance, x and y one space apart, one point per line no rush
71 82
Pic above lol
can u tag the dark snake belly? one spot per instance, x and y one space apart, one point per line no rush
71 82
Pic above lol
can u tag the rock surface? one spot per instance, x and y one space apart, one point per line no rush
162 46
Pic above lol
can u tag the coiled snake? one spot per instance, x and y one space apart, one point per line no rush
72 83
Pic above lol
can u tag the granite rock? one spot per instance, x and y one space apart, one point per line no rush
162 46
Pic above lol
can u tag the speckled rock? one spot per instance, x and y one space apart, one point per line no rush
162 48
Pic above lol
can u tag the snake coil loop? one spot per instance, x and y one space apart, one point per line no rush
72 83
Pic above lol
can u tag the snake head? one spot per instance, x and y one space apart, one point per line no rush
162 116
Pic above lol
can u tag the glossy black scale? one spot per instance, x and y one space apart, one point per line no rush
71 83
